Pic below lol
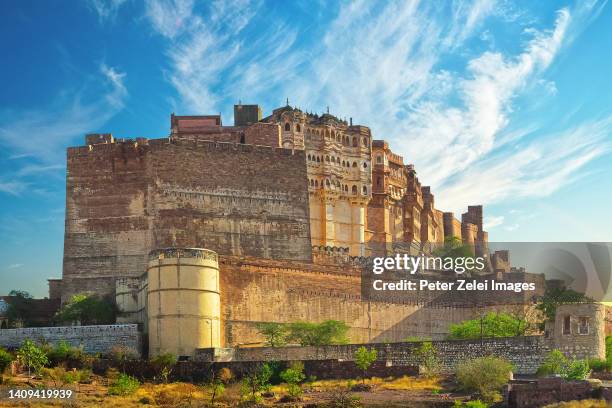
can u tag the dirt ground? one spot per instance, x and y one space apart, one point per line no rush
402 392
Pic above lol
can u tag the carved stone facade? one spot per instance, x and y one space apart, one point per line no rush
338 158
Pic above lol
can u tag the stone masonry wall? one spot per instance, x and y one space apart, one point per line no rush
124 199
95 339
526 353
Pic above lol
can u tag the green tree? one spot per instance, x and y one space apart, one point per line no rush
428 358
31 356
364 359
19 308
87 309
484 375
554 363
255 381
453 247
274 333
490 325
293 376
319 334
5 360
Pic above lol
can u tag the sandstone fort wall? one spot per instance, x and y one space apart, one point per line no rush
124 199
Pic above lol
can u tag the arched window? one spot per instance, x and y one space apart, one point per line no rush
316 183
327 182
242 139
378 159
327 159
287 127
309 157
354 141
298 128
364 142
365 165
354 190
365 190
354 164
378 181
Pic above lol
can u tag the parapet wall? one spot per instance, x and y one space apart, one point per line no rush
94 339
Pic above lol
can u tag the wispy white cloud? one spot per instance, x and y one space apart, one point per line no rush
106 9
537 169
36 139
493 221
44 133
210 59
14 187
381 64
14 266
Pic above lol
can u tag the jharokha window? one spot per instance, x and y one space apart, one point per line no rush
583 325
567 325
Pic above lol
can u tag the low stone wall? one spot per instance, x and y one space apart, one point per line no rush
95 339
544 391
526 353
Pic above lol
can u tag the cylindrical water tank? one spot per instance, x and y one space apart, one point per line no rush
184 304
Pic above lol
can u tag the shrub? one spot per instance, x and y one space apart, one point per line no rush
293 376
225 375
485 375
470 404
124 385
56 375
554 364
163 364
255 381
120 355
428 357
577 370
32 356
63 352
599 365
364 359
319 334
5 359
491 325
274 333
342 398
77 376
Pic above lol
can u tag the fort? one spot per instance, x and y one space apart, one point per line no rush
202 235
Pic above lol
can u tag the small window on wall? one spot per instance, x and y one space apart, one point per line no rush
297 127
287 127
379 159
567 325
583 325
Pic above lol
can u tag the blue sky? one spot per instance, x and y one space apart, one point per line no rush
495 102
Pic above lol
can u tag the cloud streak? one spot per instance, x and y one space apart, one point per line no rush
44 133
383 64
